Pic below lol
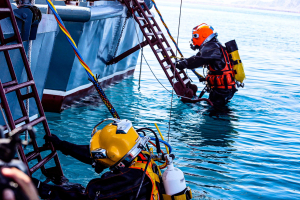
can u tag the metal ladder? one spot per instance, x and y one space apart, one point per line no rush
159 45
14 86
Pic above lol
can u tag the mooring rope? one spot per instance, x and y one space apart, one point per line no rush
92 77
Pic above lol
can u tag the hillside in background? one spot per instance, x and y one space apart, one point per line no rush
280 5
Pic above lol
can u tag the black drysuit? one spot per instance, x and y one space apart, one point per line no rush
210 54
118 184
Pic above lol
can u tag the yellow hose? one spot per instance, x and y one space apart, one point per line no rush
162 137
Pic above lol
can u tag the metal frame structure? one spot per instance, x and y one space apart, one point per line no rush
161 49
159 45
14 86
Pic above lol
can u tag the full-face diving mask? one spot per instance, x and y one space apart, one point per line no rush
117 144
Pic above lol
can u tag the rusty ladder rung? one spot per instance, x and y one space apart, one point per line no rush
19 86
27 96
167 49
10 83
10 47
186 81
141 18
42 162
144 19
32 156
168 67
4 10
10 39
22 119
13 85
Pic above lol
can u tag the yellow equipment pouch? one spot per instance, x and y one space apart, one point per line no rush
186 194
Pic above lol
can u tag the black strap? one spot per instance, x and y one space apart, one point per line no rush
232 79
216 81
208 78
225 81
236 62
216 72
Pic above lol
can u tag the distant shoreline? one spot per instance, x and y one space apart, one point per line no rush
240 6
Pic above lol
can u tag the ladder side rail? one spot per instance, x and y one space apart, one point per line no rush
4 104
7 57
163 36
159 43
147 38
27 121
166 59
33 87
151 29
175 72
166 41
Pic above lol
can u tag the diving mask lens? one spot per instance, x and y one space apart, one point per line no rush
99 154
196 35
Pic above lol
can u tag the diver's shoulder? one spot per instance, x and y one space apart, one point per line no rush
210 47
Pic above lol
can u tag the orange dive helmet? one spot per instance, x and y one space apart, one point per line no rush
202 34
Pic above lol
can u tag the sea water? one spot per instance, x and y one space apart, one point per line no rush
248 150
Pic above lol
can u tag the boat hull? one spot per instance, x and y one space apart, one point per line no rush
100 37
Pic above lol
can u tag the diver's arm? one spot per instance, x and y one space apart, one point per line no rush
196 61
80 152
192 62
207 54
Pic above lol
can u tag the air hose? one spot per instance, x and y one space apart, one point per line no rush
162 141
156 137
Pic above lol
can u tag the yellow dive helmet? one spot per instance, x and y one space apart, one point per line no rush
117 144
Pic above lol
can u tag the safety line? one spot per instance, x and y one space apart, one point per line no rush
92 77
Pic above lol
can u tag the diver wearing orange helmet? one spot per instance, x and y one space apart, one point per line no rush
220 79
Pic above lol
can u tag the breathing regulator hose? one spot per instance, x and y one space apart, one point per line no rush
156 138
169 148
157 141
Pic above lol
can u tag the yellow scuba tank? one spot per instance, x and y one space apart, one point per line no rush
235 60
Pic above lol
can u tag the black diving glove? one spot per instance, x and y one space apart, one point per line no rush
201 79
43 189
181 64
55 141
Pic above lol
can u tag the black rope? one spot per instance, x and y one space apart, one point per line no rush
158 149
141 65
137 194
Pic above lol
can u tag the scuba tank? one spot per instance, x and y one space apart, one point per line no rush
235 60
174 182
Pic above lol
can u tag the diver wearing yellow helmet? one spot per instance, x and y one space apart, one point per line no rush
118 146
